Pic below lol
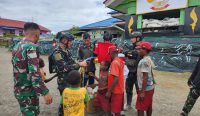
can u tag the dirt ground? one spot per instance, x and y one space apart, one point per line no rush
170 94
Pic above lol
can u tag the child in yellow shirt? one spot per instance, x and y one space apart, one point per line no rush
74 97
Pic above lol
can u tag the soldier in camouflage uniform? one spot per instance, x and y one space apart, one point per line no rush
132 61
63 62
85 51
28 84
194 84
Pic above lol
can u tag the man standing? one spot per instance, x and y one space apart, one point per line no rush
63 62
145 80
102 48
132 61
28 84
194 84
116 82
85 51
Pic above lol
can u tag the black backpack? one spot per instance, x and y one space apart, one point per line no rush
52 66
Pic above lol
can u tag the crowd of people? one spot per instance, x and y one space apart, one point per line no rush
118 73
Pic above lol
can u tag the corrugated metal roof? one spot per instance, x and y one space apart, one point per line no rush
17 24
101 24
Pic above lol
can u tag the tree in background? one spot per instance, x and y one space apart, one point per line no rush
75 30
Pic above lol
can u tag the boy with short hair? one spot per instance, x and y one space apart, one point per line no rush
145 80
74 97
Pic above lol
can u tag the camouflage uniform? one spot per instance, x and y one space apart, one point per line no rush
63 63
191 100
194 82
28 84
132 63
84 52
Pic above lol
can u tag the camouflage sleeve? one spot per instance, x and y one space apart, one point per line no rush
33 68
62 65
194 73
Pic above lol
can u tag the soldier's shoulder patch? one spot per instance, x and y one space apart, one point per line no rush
58 56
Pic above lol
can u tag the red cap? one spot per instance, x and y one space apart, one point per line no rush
145 45
113 49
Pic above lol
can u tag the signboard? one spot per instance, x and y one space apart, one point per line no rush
148 6
130 26
192 21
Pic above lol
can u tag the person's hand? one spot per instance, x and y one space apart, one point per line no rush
108 95
48 99
83 64
91 74
189 83
141 96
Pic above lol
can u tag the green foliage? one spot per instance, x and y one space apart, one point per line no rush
75 30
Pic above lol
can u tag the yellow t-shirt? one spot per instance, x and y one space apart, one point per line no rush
73 101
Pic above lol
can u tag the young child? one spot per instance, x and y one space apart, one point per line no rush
145 80
74 97
100 100
41 66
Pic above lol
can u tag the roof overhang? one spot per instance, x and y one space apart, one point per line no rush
123 6
119 15
113 3
109 27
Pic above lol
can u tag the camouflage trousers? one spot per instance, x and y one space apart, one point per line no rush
29 106
191 100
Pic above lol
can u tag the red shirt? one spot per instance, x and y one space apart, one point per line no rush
102 51
116 70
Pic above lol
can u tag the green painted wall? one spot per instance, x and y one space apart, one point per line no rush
194 2
128 5
139 22
182 17
132 9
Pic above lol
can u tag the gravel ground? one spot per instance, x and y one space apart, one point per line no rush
170 94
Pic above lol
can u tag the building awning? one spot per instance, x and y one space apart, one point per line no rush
112 3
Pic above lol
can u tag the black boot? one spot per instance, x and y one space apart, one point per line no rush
129 98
